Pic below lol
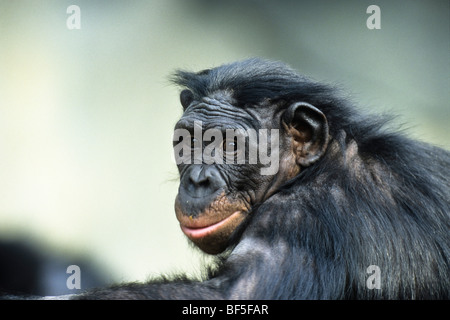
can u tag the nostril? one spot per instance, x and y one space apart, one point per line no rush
197 177
202 181
197 185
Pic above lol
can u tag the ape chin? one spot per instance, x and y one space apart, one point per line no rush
355 210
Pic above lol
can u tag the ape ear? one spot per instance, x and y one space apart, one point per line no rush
308 128
186 97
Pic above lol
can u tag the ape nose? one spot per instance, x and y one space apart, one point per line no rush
203 180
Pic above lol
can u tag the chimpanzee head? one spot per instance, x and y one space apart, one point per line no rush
241 137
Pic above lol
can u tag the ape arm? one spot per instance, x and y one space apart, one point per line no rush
250 272
158 290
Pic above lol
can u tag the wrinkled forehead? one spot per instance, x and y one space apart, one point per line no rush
219 110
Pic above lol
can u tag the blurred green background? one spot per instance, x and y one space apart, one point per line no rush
86 116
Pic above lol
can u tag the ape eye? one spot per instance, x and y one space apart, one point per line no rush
195 143
230 146
189 142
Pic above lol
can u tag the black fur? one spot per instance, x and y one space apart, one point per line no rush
375 198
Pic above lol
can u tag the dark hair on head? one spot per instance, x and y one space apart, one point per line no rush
255 80
250 81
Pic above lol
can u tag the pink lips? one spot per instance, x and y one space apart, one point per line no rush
196 233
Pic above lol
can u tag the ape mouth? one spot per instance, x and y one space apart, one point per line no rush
212 237
211 229
195 230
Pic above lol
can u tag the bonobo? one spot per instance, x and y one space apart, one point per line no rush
299 193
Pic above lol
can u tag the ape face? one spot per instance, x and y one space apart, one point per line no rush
231 158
